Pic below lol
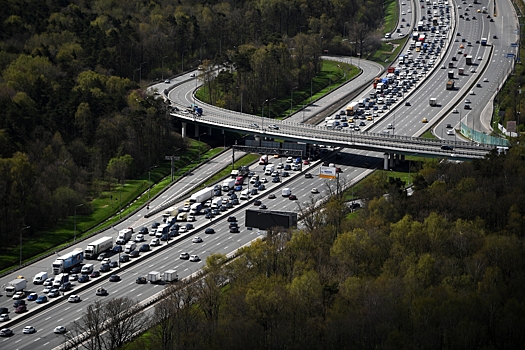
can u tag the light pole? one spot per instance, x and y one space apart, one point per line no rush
21 230
291 100
262 116
140 74
162 68
183 60
200 145
76 206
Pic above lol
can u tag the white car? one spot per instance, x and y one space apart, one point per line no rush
4 317
455 110
196 240
106 261
73 298
289 160
263 180
314 190
190 218
472 92
60 330
47 289
184 255
139 238
183 229
450 132
155 242
19 295
485 80
194 258
29 329
48 282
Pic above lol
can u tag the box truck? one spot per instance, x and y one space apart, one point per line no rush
60 279
154 277
95 248
216 203
195 208
202 195
14 286
228 184
67 261
170 276
124 236
263 160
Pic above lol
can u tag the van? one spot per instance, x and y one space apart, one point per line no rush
216 203
245 194
130 247
286 192
182 217
86 269
296 167
40 278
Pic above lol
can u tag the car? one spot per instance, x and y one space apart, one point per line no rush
65 286
124 258
144 248
276 179
104 268
195 258
314 190
135 253
450 132
20 309
83 278
101 291
455 110
6 332
183 229
472 92
447 148
254 125
141 280
155 224
257 202
209 231
449 126
49 282
73 277
32 297
232 219
209 215
114 278
292 197
285 174
467 100
424 120
73 298
41 299
485 80
53 293
113 264
94 274
139 238
479 58
196 240
19 295
4 317
235 201
263 207
60 330
75 269
308 176
167 81
271 196
234 229
102 256
273 126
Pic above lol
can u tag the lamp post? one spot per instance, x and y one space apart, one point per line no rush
183 60
262 116
291 100
76 206
162 68
140 74
21 230
200 145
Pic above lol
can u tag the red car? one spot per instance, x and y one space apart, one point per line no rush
292 197
20 309
306 162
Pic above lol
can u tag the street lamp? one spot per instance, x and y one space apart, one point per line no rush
162 68
183 60
75 238
291 100
21 230
262 116
140 74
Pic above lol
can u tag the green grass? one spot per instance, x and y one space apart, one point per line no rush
105 207
428 135
385 55
391 15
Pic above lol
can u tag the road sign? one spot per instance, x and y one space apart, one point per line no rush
327 172
171 158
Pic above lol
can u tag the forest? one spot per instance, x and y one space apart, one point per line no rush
74 116
441 269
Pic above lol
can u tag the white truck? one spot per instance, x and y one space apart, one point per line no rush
60 279
14 286
228 184
433 102
95 248
216 203
263 160
170 276
202 195
154 277
124 236
40 278
67 261
195 208
286 192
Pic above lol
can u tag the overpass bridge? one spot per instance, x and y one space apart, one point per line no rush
392 146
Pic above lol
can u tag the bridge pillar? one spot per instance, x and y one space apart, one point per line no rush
209 130
392 160
184 125
402 157
196 130
385 161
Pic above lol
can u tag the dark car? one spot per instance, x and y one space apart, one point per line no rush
292 197
257 202
101 291
234 201
6 332
209 215
144 230
271 196
233 224
41 299
155 225
18 303
144 248
263 206
104 268
285 174
189 226
3 310
234 229
308 176
232 219
407 103
276 179
261 187
117 249
447 148
94 274
164 237
113 264
134 254
209 231
141 280
114 278
65 286
217 193
20 309
83 278
124 258
253 191
76 269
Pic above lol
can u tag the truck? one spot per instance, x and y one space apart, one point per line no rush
391 69
433 102
451 65
60 279
195 208
240 171
286 192
95 248
420 26
263 160
170 276
216 203
182 216
451 74
468 60
377 80
124 236
154 277
461 70
16 285
483 41
228 184
450 85
202 195
351 108
67 261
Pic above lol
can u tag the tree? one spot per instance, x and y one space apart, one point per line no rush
118 167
